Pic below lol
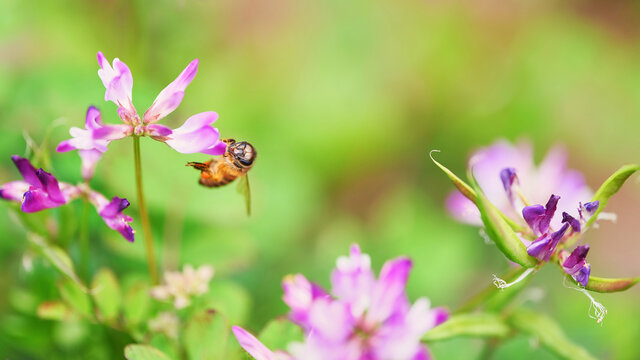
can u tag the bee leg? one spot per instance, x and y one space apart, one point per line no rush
228 141
200 166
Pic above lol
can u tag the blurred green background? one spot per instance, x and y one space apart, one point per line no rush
343 100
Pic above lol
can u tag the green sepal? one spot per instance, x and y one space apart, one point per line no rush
470 193
549 333
604 285
462 186
143 352
484 325
501 232
611 186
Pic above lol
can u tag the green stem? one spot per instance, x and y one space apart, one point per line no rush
85 254
491 289
144 216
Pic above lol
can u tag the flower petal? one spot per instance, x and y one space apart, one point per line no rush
171 96
111 213
389 292
14 190
112 132
539 217
463 209
118 82
218 149
50 186
158 131
353 280
27 171
195 135
90 159
37 200
544 246
252 345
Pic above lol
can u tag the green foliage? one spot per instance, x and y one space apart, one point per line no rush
143 352
205 336
549 333
137 302
75 297
485 325
105 291
279 333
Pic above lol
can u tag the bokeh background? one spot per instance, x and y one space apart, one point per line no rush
343 100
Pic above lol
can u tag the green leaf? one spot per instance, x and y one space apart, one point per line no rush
604 285
75 297
484 325
106 294
137 302
464 188
501 232
278 333
57 257
205 336
143 352
549 333
53 310
610 187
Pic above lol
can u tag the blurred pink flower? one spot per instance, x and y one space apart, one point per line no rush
180 287
364 318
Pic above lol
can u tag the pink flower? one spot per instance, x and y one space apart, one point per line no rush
364 318
195 135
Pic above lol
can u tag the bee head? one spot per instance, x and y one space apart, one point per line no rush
243 152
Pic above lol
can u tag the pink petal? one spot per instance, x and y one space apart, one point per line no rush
93 119
195 135
171 96
389 293
37 200
353 280
218 149
252 345
118 82
14 190
196 122
331 320
463 209
27 171
112 132
90 159
157 130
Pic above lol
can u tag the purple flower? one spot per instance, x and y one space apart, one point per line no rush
495 169
576 265
89 148
544 246
40 190
364 318
539 217
195 135
111 213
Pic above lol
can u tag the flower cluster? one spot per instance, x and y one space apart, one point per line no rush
195 135
512 182
181 286
363 318
40 190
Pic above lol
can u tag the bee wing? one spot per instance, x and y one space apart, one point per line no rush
245 190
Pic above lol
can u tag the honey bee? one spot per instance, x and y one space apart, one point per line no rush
235 163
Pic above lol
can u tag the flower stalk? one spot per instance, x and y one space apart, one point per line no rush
144 216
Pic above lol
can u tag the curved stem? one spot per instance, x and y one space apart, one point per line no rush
144 216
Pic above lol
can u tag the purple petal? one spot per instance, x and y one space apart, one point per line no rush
111 213
538 217
389 291
299 295
544 246
463 209
218 149
509 178
575 223
582 275
252 345
50 186
65 146
14 190
27 171
591 207
171 96
93 119
576 260
37 200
